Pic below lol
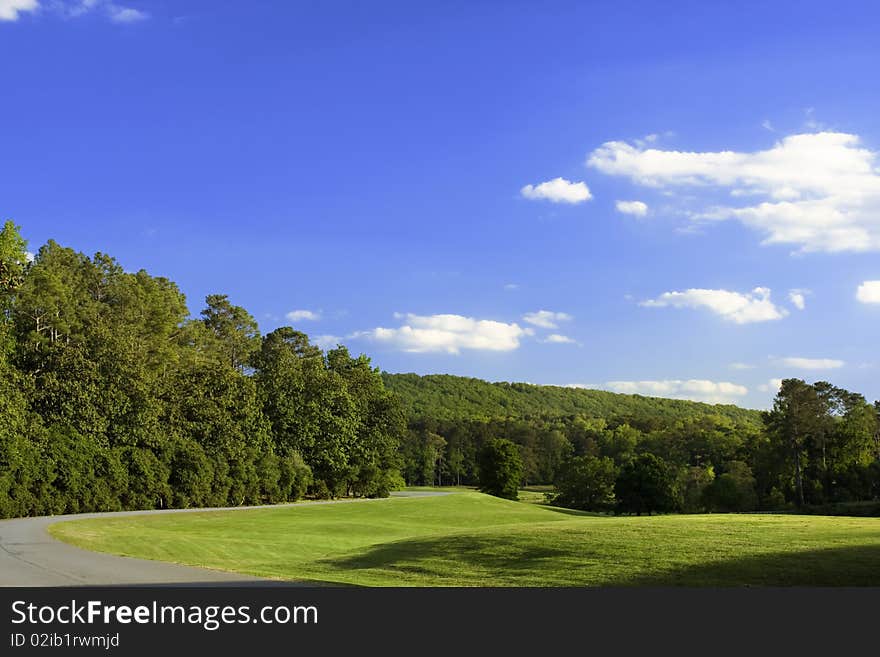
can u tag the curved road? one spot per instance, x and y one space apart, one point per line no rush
29 556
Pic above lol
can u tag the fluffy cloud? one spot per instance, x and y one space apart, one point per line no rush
303 315
558 190
798 298
773 385
326 341
869 292
119 14
448 333
10 9
819 191
714 392
635 208
116 13
556 338
754 306
812 363
546 318
741 366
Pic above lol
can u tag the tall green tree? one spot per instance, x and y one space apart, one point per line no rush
500 469
586 483
235 332
795 421
645 485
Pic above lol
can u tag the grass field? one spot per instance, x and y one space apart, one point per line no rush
470 539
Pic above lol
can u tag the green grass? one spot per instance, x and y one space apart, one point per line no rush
470 539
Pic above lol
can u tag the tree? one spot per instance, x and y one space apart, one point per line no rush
691 483
586 483
500 468
233 328
644 485
733 490
13 265
795 419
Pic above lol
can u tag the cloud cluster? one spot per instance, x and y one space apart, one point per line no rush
742 308
10 10
819 191
449 334
546 318
558 190
713 392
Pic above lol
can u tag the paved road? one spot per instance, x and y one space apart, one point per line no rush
29 556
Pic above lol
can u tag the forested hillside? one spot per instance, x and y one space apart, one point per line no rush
446 397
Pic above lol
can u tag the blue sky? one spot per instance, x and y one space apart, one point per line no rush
670 198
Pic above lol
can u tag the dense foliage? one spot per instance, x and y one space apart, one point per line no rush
445 397
819 444
112 397
500 468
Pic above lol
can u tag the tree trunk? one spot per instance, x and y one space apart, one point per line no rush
798 478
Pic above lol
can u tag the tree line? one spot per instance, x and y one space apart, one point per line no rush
113 397
818 445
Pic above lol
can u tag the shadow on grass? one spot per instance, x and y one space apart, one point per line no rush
841 566
573 512
524 561
454 553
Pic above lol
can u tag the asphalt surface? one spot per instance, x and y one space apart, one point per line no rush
29 556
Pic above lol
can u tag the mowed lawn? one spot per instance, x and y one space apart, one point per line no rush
470 539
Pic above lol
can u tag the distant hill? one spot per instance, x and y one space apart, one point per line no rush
446 397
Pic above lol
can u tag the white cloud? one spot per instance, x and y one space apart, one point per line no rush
741 366
114 12
754 306
635 208
773 385
510 287
812 363
10 9
798 298
303 315
715 392
119 14
448 333
558 190
28 256
556 338
869 292
326 341
546 318
819 191
767 125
